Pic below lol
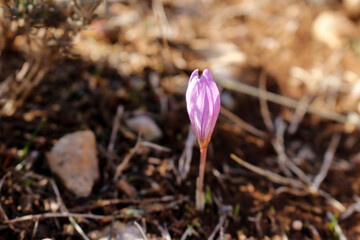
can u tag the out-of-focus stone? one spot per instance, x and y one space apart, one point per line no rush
297 225
74 160
146 126
119 231
352 7
333 29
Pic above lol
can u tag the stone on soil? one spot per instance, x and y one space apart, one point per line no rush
119 231
145 126
73 158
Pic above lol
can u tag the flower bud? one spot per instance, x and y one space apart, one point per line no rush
203 105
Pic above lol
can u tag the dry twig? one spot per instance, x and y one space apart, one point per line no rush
217 227
122 166
337 227
116 123
188 233
155 146
36 225
164 232
282 100
269 174
284 161
264 108
278 143
3 213
186 156
355 207
41 216
63 209
243 125
224 211
299 114
276 178
329 155
140 229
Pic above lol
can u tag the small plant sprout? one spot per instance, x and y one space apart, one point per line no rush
203 106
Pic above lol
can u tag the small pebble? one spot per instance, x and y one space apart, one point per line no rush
297 225
74 159
146 126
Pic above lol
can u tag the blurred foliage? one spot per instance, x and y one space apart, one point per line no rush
22 16
51 13
41 31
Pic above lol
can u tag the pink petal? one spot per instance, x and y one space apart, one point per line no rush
203 104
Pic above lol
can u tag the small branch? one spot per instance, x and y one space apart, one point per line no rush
122 166
243 125
63 209
329 155
355 207
337 228
299 114
36 226
111 230
116 123
264 108
293 191
278 144
41 216
2 212
186 156
257 221
268 174
155 146
217 228
276 178
335 203
224 212
164 233
314 232
109 202
282 100
188 233
140 229
106 218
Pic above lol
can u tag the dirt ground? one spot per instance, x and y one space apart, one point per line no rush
283 162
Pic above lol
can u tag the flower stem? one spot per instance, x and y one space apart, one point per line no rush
200 196
202 167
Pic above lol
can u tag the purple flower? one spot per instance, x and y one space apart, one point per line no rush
203 105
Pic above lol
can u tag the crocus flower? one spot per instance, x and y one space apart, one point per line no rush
203 105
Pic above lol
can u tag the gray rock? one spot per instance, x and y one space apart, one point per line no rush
73 158
146 126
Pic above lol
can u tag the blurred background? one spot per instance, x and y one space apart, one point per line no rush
289 76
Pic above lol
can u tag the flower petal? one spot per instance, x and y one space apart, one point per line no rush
194 74
203 104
